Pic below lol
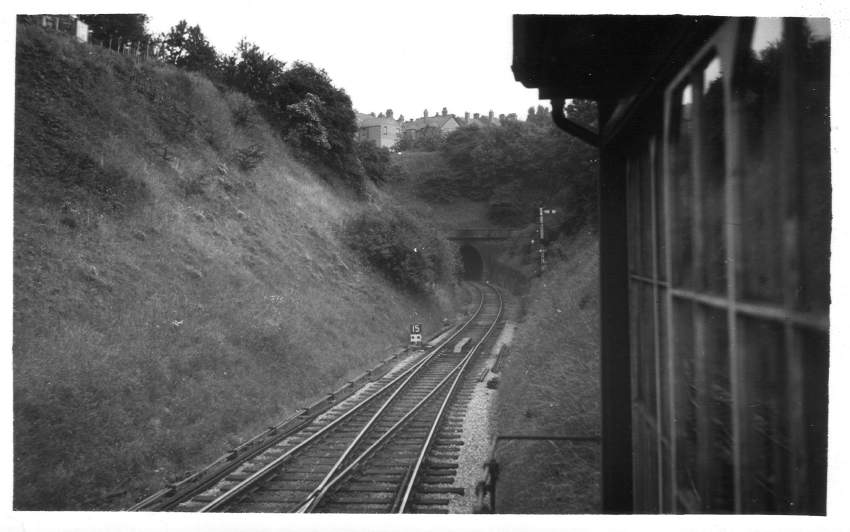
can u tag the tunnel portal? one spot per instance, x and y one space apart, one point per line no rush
473 264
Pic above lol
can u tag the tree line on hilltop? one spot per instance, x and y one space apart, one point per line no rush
298 99
521 165
515 166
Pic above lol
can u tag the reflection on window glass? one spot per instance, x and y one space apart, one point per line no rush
813 187
711 75
766 35
711 258
819 28
761 215
681 184
687 100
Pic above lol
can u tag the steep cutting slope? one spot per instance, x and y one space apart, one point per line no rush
179 280
550 386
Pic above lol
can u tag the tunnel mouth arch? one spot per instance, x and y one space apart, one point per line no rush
472 262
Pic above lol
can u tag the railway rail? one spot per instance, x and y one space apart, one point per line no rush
391 447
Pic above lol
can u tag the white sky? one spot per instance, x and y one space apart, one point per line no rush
384 54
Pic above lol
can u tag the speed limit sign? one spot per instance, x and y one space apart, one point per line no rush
416 334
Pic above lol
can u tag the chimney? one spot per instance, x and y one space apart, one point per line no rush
389 113
475 116
490 115
445 111
425 113
466 117
401 118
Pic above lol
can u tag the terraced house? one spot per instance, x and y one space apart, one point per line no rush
443 123
383 130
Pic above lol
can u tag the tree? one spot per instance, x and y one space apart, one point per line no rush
306 129
127 27
187 47
335 113
253 72
520 164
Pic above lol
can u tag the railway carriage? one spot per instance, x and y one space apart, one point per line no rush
715 209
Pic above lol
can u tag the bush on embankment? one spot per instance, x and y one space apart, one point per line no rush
179 280
550 386
409 253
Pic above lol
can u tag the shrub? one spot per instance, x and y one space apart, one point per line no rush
250 157
411 256
375 160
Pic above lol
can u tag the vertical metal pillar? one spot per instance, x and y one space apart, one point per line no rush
617 487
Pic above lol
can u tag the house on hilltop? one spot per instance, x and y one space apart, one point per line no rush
382 130
480 120
443 124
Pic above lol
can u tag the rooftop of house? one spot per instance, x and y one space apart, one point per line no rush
431 121
364 120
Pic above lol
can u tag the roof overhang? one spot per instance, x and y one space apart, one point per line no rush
599 56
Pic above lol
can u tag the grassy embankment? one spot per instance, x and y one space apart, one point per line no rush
549 385
179 280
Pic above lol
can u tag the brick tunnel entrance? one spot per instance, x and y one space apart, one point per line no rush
473 264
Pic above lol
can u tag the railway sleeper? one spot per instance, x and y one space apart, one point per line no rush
384 469
430 464
333 507
444 456
426 479
428 509
379 478
453 445
364 498
372 486
427 500
260 508
290 485
441 489
288 498
190 506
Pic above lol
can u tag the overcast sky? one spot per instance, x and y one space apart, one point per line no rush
384 54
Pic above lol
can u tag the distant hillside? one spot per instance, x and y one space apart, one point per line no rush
179 280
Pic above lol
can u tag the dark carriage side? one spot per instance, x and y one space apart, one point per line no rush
715 220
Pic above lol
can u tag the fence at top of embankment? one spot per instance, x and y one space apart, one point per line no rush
140 50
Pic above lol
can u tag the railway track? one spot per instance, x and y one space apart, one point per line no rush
391 447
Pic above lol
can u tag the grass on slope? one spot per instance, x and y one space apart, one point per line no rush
550 386
169 299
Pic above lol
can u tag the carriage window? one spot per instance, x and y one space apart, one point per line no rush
815 196
710 248
782 87
759 90
738 328
681 187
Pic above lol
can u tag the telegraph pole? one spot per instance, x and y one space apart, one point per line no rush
541 250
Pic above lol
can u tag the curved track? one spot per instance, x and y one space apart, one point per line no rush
383 450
